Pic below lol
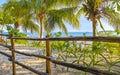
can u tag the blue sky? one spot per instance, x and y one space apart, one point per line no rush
85 25
2 1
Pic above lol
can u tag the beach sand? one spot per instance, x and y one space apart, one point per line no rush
36 63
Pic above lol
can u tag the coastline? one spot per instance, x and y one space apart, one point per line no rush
62 34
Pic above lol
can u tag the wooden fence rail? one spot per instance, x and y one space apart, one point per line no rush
4 35
5 54
29 68
51 59
22 65
99 39
4 45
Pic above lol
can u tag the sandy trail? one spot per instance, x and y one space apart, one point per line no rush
36 63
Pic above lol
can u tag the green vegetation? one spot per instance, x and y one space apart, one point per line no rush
108 33
97 10
45 13
44 16
16 33
103 55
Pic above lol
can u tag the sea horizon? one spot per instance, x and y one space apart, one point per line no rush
29 34
75 34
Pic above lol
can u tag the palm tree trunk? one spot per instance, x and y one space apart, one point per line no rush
42 16
16 25
41 29
2 27
94 27
1 37
2 31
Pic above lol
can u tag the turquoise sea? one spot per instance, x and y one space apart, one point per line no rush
63 34
74 34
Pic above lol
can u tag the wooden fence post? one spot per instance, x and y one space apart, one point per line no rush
13 54
48 68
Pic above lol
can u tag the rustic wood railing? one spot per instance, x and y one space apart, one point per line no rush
50 58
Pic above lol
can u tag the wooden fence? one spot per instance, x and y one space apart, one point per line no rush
49 58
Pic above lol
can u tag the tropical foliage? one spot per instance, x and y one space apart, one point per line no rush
96 10
103 55
19 10
48 14
53 13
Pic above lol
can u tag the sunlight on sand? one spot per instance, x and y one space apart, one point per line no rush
36 63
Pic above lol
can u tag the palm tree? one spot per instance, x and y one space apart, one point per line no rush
20 12
42 10
51 13
95 10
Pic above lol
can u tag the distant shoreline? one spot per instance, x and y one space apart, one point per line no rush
62 35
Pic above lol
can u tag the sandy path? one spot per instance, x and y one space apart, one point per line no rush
38 64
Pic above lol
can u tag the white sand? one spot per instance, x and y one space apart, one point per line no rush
36 63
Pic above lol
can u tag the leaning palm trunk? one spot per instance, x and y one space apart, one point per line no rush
41 29
1 32
42 16
94 27
16 25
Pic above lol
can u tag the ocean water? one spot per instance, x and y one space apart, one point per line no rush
73 34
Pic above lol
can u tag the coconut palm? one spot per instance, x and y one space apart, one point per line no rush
20 11
52 13
42 10
95 10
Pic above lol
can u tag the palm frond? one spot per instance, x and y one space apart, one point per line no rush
80 12
5 18
55 22
101 25
30 25
52 3
67 14
17 8
112 16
